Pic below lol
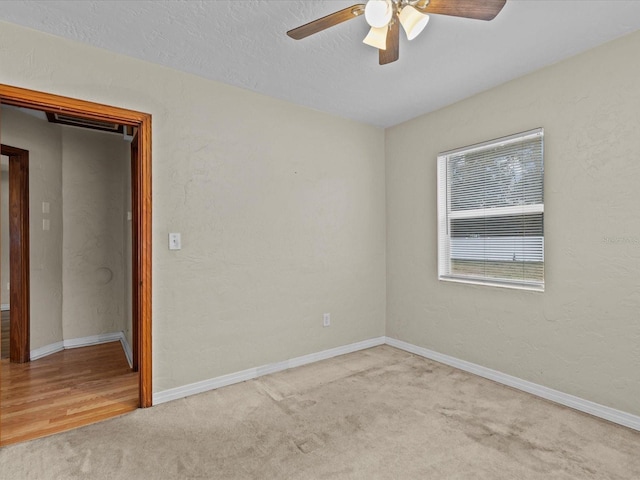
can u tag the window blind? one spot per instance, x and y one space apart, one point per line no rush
491 212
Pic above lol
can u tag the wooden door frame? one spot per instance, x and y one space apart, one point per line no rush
141 211
19 351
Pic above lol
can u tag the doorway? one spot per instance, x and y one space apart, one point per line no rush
18 222
141 209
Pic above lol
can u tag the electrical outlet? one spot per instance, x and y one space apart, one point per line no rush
326 319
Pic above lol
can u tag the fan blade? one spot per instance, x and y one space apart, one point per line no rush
476 9
325 22
392 53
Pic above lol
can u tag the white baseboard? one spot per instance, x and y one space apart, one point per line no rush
92 340
577 403
5 307
251 373
127 349
84 342
46 350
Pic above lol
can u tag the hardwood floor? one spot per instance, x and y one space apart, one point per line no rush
65 390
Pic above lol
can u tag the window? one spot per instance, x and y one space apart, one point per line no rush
491 212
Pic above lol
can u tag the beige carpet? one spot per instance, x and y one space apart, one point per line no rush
376 414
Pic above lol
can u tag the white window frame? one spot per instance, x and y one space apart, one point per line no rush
444 216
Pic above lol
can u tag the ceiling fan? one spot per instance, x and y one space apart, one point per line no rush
385 17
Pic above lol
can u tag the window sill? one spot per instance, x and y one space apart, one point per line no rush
494 283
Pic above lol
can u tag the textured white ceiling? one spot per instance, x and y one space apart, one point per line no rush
243 43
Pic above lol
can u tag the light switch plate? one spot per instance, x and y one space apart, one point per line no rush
45 207
175 242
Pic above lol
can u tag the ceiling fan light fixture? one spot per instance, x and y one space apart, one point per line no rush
413 21
378 13
385 17
377 37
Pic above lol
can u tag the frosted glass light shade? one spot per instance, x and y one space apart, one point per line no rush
378 13
413 21
377 37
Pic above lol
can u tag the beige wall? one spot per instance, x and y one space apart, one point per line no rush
281 210
4 231
582 335
45 185
93 263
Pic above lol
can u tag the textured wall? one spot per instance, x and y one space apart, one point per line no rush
281 210
4 233
45 185
93 275
582 335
